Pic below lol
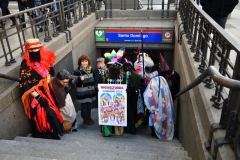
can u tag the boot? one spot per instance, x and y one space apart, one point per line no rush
87 121
13 21
91 120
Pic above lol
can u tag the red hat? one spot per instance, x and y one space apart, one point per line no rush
32 43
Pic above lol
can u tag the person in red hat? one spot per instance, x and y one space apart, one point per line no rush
38 97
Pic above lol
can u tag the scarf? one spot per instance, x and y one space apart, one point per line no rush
88 69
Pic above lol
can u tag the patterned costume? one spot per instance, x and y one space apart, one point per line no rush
122 78
158 100
44 118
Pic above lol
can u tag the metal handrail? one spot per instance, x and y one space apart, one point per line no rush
29 10
216 76
216 26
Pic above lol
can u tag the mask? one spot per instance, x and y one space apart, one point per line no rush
34 56
114 70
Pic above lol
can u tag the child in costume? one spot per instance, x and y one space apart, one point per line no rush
85 92
37 94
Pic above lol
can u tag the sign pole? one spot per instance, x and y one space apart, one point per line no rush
143 59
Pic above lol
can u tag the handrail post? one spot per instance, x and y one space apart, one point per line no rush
196 56
196 22
203 66
61 16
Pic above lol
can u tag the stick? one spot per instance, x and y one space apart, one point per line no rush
143 59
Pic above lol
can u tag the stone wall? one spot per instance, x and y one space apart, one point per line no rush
196 113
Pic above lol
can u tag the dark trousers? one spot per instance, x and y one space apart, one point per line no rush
86 109
4 7
222 22
21 7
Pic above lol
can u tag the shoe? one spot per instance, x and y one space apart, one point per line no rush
145 122
40 30
74 130
13 24
91 120
87 121
219 54
154 134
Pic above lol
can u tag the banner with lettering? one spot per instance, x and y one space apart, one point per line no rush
149 36
112 104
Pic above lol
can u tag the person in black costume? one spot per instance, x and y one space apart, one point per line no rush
37 94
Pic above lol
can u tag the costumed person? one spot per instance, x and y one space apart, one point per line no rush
38 97
171 76
135 112
158 100
115 75
65 104
85 92
138 65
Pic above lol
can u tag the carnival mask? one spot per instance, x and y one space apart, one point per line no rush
114 70
34 55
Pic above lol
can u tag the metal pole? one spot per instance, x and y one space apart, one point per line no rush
143 59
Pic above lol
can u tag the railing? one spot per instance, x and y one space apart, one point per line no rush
212 46
58 16
54 17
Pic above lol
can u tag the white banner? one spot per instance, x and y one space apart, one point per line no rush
112 104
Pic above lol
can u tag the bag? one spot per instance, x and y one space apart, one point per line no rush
140 107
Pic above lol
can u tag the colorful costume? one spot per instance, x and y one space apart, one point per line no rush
44 117
116 75
158 100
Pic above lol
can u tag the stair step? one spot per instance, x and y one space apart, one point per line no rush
74 150
93 134
124 146
18 157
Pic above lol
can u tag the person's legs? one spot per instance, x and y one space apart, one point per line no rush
84 110
21 7
222 22
89 112
38 13
85 113
4 7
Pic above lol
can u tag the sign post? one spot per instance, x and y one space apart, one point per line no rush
112 104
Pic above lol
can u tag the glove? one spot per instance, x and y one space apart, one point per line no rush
42 101
51 71
66 89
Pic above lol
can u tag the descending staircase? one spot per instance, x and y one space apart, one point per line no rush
88 144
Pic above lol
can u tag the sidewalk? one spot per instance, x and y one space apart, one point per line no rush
233 24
